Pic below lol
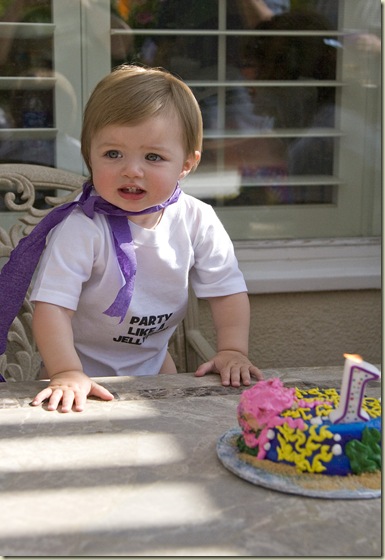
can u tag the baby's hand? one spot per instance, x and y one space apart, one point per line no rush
70 388
233 367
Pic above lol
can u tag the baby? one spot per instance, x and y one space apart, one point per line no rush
112 284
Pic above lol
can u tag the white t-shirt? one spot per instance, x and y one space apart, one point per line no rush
79 271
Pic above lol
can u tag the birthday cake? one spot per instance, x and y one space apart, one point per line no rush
294 427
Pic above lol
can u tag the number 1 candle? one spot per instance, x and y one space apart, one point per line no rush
356 375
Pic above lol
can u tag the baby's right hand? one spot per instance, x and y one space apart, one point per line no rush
71 388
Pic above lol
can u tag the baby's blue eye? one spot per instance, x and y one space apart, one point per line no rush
153 157
113 154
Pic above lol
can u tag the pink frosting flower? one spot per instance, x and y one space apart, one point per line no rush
259 409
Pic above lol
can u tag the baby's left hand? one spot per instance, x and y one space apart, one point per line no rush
233 367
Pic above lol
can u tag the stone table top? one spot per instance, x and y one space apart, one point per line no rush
139 476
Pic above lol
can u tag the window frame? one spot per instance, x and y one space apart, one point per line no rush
306 265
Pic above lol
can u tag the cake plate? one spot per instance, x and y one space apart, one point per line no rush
229 455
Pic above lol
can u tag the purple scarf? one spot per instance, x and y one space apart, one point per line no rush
17 273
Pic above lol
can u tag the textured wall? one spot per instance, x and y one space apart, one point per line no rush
310 328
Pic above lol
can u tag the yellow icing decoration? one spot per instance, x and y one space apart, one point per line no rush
324 433
289 433
325 456
296 446
372 406
298 413
285 451
301 440
290 413
323 409
304 414
298 393
303 465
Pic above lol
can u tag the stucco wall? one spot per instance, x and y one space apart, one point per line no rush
310 328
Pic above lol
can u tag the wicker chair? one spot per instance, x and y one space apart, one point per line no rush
30 191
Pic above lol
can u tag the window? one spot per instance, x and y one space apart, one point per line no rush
283 95
290 96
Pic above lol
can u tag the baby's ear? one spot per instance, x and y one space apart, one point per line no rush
190 164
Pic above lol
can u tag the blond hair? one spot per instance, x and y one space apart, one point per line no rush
131 94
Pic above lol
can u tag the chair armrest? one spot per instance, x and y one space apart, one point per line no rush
200 345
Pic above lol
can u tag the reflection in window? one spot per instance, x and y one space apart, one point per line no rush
26 86
26 99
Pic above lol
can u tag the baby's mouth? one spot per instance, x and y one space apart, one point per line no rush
131 190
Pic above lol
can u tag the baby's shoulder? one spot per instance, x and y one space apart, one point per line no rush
195 207
77 218
77 225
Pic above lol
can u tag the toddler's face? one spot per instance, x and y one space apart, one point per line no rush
136 167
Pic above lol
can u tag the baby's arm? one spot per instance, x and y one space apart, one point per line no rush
168 365
52 331
231 316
